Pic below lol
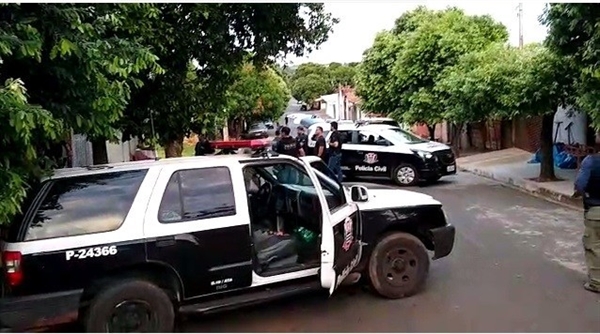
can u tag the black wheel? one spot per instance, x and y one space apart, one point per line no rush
405 175
398 266
130 306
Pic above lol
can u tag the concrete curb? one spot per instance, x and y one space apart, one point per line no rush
529 187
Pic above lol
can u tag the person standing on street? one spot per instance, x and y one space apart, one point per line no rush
276 139
319 143
587 184
335 152
287 144
302 141
286 120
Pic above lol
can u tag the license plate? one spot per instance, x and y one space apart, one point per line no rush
451 168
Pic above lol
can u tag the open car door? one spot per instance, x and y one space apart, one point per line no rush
341 247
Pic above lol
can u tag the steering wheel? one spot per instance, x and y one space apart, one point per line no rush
264 192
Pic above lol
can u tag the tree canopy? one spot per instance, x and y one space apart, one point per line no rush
100 68
399 73
574 34
257 94
311 80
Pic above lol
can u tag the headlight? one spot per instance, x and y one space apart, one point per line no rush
424 155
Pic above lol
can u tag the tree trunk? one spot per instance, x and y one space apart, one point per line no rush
470 135
99 151
456 134
431 129
546 141
174 148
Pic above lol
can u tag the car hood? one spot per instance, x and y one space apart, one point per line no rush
395 198
429 146
256 130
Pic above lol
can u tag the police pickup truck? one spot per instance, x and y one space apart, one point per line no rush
127 247
381 150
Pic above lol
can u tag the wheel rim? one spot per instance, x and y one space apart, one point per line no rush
131 316
406 175
400 267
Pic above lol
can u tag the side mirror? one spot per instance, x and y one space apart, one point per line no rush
359 194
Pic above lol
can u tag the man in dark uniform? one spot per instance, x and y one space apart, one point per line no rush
319 150
276 139
335 152
587 185
287 145
302 141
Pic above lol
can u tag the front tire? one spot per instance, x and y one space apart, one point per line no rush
405 175
398 266
130 306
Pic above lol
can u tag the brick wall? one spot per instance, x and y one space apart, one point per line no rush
527 134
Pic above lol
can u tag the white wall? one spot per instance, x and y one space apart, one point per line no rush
578 129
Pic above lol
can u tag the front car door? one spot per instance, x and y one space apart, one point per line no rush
372 155
341 247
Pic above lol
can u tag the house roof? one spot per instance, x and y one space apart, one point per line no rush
350 94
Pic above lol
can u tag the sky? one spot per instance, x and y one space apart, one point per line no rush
360 21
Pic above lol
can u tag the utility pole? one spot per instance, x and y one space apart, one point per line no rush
514 121
520 15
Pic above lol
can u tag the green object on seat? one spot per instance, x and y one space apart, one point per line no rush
305 235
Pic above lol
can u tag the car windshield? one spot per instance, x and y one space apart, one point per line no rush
404 137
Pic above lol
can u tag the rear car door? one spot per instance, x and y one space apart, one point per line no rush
341 247
197 223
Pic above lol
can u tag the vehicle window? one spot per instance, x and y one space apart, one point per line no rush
85 204
195 194
370 138
292 176
345 136
333 190
402 136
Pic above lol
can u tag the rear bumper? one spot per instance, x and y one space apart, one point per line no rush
21 313
443 240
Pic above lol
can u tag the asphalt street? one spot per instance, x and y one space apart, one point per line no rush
517 266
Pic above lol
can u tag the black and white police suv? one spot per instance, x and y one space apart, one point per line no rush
129 246
381 150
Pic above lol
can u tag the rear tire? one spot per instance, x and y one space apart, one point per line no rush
398 266
405 175
134 300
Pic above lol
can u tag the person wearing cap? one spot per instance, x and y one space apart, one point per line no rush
301 141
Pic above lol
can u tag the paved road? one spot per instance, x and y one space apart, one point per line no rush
516 267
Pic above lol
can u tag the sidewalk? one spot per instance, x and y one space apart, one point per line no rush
510 167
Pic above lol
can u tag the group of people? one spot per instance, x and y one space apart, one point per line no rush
284 143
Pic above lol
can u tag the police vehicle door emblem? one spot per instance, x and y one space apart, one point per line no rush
348 237
371 158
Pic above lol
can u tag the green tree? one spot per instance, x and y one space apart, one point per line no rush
257 94
405 65
342 75
229 32
77 62
309 88
508 82
375 74
574 33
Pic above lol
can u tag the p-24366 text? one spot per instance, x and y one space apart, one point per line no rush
85 253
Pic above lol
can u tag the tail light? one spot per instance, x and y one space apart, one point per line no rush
12 267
